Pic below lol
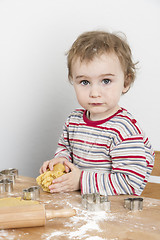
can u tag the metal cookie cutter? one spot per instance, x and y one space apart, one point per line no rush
32 193
10 173
6 185
95 202
133 203
10 170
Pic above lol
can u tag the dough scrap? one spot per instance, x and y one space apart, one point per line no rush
15 201
46 178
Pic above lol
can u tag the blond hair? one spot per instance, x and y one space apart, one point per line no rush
94 43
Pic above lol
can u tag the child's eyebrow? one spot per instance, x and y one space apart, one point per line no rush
102 75
107 75
81 76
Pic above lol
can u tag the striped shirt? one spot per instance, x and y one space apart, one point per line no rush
114 154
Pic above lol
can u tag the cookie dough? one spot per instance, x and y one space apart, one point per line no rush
45 179
15 201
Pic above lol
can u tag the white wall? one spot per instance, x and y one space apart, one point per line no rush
35 97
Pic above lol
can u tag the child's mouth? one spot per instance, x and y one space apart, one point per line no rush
95 104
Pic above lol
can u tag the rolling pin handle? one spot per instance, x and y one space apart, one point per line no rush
68 212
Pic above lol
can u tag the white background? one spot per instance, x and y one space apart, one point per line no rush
35 96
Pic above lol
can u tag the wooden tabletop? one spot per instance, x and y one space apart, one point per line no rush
118 224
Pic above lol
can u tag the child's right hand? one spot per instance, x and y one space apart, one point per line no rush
50 164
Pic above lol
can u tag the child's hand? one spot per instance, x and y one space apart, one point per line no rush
68 182
50 164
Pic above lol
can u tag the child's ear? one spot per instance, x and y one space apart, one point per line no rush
125 89
127 84
70 80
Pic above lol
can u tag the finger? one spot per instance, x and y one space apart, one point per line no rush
69 165
59 187
54 186
44 167
67 169
61 179
53 162
40 170
51 165
59 182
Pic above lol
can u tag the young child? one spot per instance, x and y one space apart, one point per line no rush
102 146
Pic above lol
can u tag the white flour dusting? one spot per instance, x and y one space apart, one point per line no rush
83 229
95 238
54 234
148 203
90 221
4 235
82 224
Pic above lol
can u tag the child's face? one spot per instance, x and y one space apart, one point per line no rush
99 84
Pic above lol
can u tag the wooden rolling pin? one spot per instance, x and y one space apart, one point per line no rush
30 216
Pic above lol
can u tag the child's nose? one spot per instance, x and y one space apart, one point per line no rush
95 91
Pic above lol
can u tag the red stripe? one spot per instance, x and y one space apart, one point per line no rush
149 165
96 182
87 160
62 145
145 140
128 170
114 190
133 138
79 109
60 151
81 182
132 189
121 157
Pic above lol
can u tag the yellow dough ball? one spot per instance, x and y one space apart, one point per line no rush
46 178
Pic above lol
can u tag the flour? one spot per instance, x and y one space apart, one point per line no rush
82 225
95 238
83 229
90 221
4 235
54 234
150 202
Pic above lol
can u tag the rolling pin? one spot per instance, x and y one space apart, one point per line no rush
30 216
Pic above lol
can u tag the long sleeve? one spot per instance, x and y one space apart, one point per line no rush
64 148
132 163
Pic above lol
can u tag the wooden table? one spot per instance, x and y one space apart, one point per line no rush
118 224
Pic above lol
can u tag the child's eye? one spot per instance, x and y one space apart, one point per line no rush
106 81
84 82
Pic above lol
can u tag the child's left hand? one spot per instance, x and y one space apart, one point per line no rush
67 182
